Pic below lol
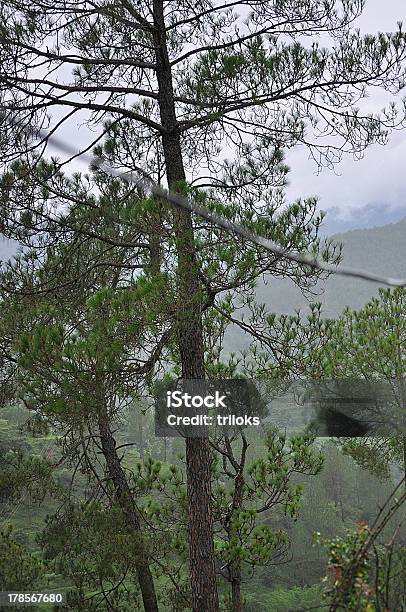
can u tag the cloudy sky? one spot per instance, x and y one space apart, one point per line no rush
362 193
371 191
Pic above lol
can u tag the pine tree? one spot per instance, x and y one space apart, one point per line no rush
187 77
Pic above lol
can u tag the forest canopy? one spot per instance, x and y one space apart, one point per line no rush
115 291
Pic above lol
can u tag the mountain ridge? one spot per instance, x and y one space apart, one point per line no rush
380 249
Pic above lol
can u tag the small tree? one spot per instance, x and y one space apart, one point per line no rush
248 539
77 361
365 572
20 569
369 344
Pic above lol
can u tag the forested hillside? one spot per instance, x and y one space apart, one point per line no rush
380 249
339 498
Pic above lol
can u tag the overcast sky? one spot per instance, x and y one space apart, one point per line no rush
371 191
362 193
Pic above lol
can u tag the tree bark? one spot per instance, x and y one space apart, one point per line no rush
189 338
235 569
236 593
124 498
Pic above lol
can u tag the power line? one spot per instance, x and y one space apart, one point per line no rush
143 178
272 246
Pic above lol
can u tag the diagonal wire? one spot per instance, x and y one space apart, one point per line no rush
142 178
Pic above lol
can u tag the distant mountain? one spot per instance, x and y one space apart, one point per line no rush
363 217
379 249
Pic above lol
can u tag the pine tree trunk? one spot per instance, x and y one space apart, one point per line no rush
235 569
190 341
124 498
236 592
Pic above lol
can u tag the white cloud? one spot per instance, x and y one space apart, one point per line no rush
377 179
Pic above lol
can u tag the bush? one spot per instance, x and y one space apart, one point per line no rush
281 600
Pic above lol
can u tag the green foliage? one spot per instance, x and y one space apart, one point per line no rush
354 591
365 572
23 473
20 570
94 308
282 600
369 345
95 551
265 489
